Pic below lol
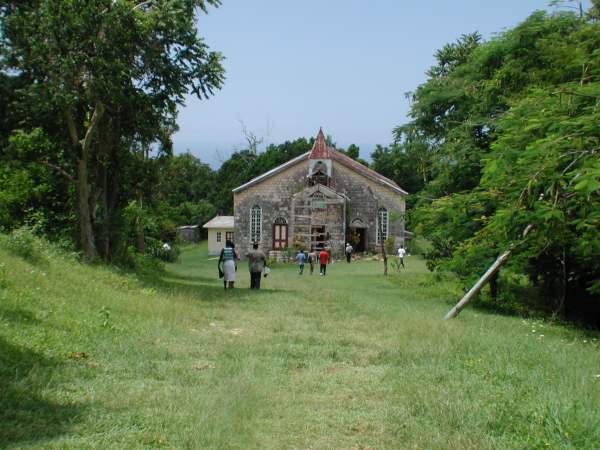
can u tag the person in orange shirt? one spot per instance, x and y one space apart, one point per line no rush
323 259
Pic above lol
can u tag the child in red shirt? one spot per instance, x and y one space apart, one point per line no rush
323 259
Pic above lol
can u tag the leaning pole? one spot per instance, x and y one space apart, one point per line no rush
477 287
484 279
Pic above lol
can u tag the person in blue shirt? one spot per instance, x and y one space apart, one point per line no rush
300 258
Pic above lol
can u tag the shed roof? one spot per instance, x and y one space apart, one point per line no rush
220 222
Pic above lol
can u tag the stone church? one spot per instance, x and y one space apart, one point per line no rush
321 198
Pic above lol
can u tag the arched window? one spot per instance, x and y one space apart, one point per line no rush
280 234
382 225
255 223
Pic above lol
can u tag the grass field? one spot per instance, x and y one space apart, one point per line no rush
94 358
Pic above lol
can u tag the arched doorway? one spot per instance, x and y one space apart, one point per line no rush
356 234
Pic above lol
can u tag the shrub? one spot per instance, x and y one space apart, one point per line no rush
390 245
164 252
23 242
142 264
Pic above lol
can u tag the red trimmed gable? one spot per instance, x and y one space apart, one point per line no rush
320 149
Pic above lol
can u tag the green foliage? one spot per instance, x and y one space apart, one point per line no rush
24 243
29 191
509 130
103 80
158 249
390 245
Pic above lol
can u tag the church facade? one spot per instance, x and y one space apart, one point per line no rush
321 198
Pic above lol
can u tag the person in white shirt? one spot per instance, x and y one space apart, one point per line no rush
401 255
349 251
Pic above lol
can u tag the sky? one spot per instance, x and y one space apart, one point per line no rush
344 65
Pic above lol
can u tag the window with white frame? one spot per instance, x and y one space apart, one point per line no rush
255 223
218 236
382 225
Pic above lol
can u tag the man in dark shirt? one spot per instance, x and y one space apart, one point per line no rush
256 264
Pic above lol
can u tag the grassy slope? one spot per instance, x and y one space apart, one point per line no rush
92 358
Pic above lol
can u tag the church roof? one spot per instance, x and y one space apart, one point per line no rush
320 150
272 172
364 170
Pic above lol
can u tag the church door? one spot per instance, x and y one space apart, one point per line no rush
280 235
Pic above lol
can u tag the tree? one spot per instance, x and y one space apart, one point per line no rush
503 132
94 63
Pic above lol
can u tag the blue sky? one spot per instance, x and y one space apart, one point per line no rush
341 64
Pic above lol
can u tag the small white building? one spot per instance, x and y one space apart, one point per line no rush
220 229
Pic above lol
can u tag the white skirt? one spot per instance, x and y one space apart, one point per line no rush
229 270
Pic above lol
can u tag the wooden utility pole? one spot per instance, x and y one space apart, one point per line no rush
477 287
494 268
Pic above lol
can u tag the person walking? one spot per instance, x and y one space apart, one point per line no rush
349 251
257 261
323 260
228 262
312 259
401 255
300 258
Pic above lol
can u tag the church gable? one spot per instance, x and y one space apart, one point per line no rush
321 159
321 199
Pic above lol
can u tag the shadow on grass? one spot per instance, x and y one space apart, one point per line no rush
18 316
205 289
26 416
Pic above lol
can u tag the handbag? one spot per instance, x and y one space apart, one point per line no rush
267 271
221 274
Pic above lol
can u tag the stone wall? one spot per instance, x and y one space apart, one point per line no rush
274 195
366 197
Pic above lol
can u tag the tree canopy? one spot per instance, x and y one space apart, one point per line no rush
504 134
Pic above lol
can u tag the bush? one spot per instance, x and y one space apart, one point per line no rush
167 230
417 246
390 245
23 242
164 252
142 264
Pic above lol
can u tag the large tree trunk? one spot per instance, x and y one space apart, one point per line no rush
105 249
86 232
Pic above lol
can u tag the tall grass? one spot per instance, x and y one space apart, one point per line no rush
94 358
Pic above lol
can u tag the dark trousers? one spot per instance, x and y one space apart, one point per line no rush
323 269
348 257
255 280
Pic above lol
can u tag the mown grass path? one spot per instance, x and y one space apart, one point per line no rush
94 359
